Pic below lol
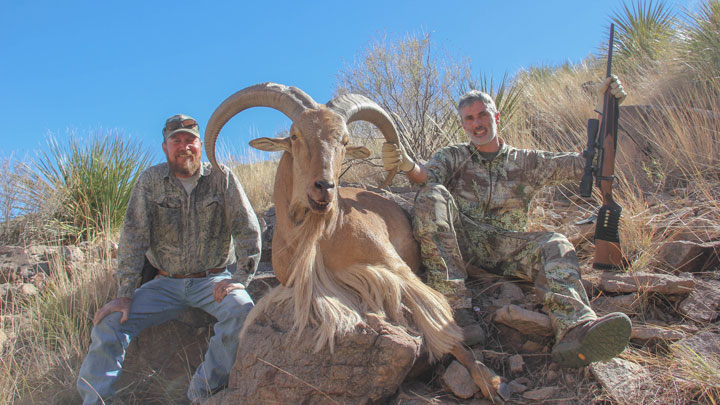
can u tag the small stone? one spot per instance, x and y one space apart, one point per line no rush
524 321
73 254
516 388
627 303
551 376
541 394
702 304
649 333
647 282
26 290
458 380
516 364
474 334
532 347
511 292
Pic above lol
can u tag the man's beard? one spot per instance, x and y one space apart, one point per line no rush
488 136
185 167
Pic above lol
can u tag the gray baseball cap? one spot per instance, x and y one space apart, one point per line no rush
180 123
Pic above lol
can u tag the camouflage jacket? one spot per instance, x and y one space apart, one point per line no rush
212 227
499 192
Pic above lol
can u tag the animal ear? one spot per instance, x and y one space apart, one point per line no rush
271 144
357 152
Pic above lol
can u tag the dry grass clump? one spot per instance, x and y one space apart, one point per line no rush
49 333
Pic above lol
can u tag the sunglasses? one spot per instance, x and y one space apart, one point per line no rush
177 123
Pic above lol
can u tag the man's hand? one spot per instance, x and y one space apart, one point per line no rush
223 288
121 305
394 157
616 89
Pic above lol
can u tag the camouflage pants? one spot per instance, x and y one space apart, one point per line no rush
449 241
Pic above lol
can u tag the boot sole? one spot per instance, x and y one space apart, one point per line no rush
602 342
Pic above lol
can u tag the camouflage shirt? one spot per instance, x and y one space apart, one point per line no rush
184 234
499 192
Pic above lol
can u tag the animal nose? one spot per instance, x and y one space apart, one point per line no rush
324 185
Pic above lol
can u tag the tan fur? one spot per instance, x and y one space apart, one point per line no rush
339 266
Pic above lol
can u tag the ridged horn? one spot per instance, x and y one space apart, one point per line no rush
290 101
355 107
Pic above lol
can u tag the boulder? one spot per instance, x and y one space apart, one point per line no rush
161 360
272 366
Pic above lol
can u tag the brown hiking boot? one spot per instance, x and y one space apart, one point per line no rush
601 339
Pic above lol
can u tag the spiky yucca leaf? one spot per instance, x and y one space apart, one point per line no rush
644 33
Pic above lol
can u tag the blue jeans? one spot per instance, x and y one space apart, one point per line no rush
157 301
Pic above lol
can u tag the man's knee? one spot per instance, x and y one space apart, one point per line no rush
237 304
558 247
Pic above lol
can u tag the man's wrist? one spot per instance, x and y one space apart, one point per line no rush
407 166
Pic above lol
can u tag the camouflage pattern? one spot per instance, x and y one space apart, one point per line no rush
183 234
474 212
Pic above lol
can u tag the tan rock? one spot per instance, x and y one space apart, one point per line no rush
689 256
646 282
516 387
651 333
516 364
26 290
458 380
532 347
626 382
524 321
366 366
627 303
541 394
703 303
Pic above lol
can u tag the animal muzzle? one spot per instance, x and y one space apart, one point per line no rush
321 196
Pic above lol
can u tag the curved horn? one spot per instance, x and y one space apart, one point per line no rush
355 107
290 101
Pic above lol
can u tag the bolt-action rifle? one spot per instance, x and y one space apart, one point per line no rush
600 164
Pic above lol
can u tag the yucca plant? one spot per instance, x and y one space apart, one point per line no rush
507 95
701 40
644 34
91 182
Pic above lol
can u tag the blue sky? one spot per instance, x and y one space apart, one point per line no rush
90 66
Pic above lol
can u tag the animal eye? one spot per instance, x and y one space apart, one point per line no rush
293 137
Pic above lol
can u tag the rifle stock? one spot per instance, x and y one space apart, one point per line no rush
601 148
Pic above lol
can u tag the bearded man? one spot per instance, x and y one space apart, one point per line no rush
472 212
192 224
